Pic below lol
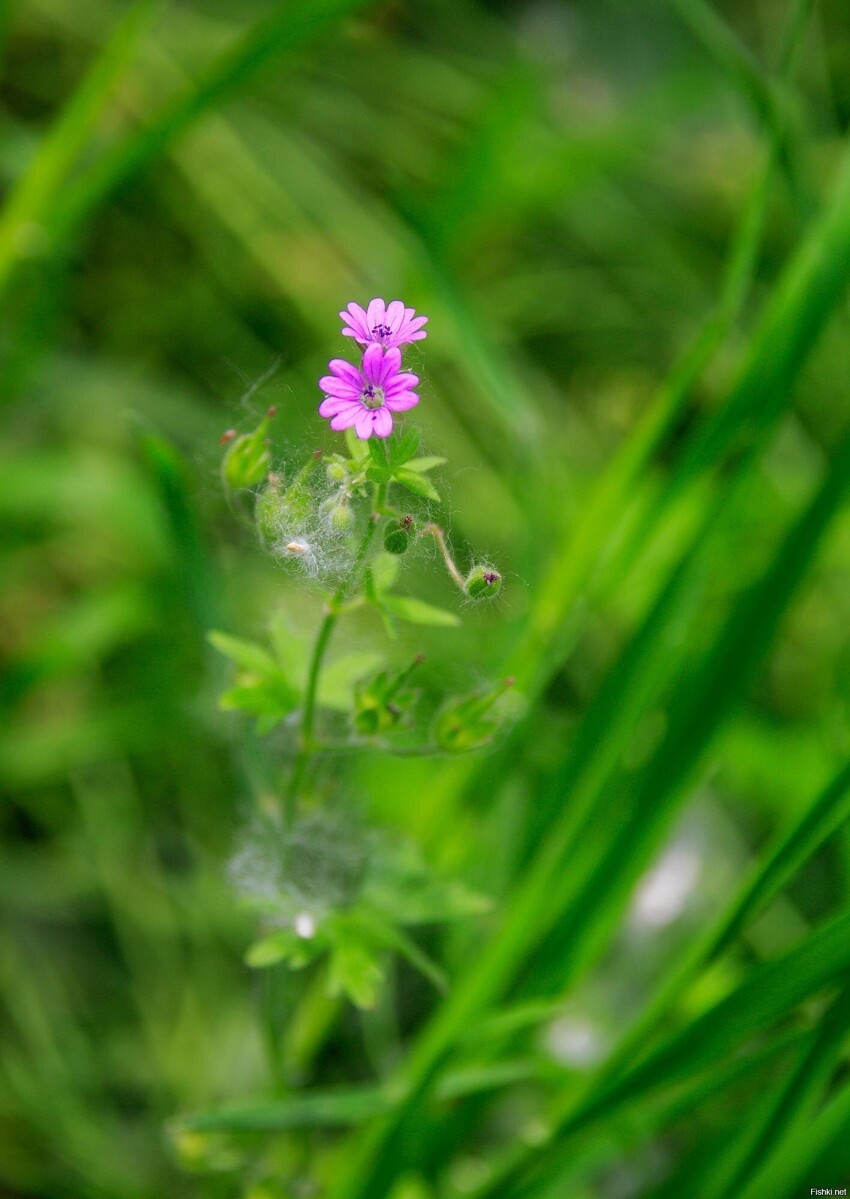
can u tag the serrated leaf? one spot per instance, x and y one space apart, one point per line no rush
246 654
403 447
338 679
416 483
416 611
259 699
379 470
391 937
290 649
383 570
283 945
422 465
357 449
354 970
377 474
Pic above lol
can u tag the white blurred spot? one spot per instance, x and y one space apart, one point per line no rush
574 1041
304 925
663 893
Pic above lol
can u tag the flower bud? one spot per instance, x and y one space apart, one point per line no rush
336 472
248 456
398 535
482 581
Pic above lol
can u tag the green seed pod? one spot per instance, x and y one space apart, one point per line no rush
247 460
398 535
248 457
340 516
267 509
277 511
482 582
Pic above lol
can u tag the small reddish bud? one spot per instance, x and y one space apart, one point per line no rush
227 437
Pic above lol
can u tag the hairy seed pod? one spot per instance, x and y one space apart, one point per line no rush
398 535
482 582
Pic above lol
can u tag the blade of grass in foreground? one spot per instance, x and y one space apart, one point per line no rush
771 992
780 861
547 635
706 698
787 1106
790 1169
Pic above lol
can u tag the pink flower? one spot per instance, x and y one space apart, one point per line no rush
367 398
387 324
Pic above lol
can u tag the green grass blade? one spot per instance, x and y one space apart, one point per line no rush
789 1104
29 202
792 1167
286 28
706 699
781 860
770 993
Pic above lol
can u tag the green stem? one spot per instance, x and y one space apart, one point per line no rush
308 747
432 530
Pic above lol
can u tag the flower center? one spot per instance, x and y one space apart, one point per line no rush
381 332
372 397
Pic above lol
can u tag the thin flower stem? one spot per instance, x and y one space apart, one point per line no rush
308 746
432 530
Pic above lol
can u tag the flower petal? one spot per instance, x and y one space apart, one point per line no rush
390 365
339 387
354 313
334 404
394 315
363 424
401 382
375 313
346 418
383 422
344 370
402 401
373 362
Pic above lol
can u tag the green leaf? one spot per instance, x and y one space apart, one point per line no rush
422 465
260 699
246 654
284 945
403 447
338 678
354 969
383 572
379 471
769 992
416 611
416 483
359 450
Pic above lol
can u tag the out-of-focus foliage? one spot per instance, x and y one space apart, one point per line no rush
629 223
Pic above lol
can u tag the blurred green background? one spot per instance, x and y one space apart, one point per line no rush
596 202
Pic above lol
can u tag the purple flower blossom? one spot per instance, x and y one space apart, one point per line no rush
387 324
367 398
